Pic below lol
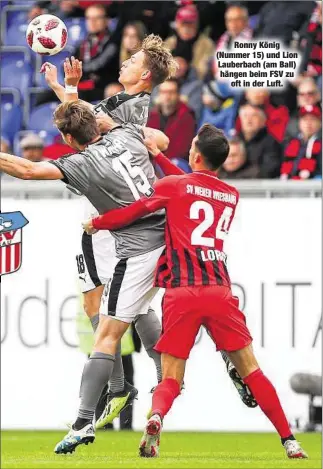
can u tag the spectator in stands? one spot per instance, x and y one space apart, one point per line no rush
279 19
32 147
57 149
174 118
236 22
188 43
156 16
220 105
308 94
190 86
99 54
236 166
312 45
132 36
4 145
262 149
303 155
61 8
277 116
112 89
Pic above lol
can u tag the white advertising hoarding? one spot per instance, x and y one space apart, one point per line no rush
274 252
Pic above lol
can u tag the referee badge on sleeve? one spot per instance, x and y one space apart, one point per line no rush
11 225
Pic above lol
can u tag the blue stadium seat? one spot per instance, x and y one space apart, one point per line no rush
76 31
57 60
41 118
182 164
3 4
11 119
11 54
16 35
17 75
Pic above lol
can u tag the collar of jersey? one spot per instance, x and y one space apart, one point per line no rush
207 172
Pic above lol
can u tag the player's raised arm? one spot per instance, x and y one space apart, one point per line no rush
165 164
164 190
25 169
161 139
73 74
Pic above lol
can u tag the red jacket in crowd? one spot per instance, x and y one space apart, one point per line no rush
180 128
302 159
277 121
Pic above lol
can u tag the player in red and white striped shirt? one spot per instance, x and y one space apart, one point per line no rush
199 211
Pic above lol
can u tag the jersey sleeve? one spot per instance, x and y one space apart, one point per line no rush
75 170
164 190
167 166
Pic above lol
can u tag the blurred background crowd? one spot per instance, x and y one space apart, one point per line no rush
272 134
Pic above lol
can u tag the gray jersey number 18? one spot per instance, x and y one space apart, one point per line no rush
122 165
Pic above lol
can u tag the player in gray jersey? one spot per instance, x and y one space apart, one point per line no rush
130 290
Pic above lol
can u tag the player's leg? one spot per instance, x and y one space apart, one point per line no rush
126 416
97 372
243 390
135 295
95 266
163 398
246 364
149 329
227 326
181 324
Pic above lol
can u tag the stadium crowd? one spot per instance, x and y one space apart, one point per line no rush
272 134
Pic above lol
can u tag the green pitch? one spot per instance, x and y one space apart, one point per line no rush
178 450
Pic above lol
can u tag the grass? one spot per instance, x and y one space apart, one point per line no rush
178 450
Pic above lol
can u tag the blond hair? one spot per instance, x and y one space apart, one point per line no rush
159 59
78 120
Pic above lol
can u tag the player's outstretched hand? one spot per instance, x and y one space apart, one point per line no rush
151 145
105 123
50 72
73 71
88 227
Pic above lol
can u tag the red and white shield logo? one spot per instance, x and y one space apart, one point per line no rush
10 251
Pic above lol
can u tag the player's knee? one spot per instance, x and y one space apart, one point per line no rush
244 361
106 343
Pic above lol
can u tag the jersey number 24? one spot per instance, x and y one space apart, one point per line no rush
221 230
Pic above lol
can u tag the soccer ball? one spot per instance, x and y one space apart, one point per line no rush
46 35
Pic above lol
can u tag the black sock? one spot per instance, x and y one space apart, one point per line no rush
80 423
290 437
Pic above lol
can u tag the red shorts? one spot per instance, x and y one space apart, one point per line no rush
186 309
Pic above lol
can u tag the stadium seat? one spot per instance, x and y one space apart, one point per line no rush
11 119
41 118
10 95
17 75
11 54
182 164
57 60
76 31
16 35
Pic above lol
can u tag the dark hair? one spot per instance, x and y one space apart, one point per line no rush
139 27
213 145
172 80
77 119
101 7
